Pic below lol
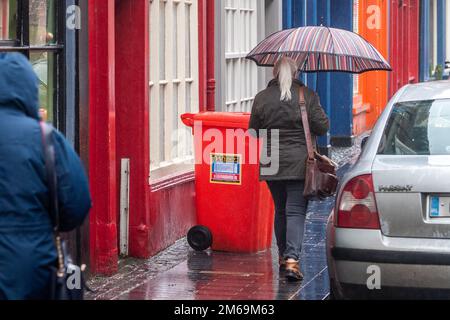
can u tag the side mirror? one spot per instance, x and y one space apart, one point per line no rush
364 142
447 64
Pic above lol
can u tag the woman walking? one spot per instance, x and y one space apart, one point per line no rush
277 108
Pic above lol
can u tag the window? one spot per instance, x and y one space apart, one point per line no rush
8 23
418 128
241 36
31 27
173 84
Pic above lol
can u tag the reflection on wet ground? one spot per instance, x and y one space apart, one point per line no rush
229 276
180 273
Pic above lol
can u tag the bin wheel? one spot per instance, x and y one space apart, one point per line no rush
200 238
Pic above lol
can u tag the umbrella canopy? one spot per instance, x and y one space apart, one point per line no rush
320 49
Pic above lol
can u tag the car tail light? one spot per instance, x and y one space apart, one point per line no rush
357 208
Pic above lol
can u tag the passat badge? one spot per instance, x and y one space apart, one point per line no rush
395 188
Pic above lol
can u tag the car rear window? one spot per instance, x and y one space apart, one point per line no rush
418 128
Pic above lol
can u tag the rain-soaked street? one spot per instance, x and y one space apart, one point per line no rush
179 273
226 276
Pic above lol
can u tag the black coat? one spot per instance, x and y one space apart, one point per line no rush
270 113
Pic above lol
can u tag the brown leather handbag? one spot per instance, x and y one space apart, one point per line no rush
321 180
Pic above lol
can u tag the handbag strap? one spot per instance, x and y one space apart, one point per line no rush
305 120
50 167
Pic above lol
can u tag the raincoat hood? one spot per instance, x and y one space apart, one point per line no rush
19 87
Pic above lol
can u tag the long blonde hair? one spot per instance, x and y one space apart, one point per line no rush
285 70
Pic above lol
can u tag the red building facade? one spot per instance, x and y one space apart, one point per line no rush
393 28
160 212
404 44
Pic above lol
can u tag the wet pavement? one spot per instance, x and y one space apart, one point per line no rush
223 276
226 276
179 273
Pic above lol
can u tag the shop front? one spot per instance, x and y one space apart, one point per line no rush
115 83
149 62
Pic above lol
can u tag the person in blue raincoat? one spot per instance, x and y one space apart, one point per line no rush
27 248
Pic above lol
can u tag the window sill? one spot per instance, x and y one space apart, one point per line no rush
171 175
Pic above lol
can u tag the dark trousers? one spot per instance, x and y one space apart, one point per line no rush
290 217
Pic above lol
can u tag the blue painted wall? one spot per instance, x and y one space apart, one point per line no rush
335 89
342 83
426 42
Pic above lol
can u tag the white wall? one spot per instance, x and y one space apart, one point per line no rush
240 26
273 23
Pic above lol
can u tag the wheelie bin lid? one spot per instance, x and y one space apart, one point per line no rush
218 119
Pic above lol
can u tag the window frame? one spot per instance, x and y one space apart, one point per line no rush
172 83
239 15
22 44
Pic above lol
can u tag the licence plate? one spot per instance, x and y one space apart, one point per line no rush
439 207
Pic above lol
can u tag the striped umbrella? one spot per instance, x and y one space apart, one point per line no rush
320 49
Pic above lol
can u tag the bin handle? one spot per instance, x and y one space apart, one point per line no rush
188 119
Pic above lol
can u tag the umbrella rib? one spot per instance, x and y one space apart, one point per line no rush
329 70
332 40
315 52
332 49
305 63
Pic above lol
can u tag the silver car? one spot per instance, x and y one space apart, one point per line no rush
389 233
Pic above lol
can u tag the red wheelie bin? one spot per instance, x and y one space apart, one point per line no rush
235 211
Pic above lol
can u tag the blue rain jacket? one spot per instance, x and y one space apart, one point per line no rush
27 248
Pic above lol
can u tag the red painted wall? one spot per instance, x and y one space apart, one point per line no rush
159 214
102 138
172 211
404 43
374 27
119 128
132 108
207 85
172 201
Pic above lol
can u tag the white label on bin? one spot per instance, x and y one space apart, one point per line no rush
226 169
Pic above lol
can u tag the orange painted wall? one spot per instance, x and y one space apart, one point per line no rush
374 27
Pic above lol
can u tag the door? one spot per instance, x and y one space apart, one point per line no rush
404 44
